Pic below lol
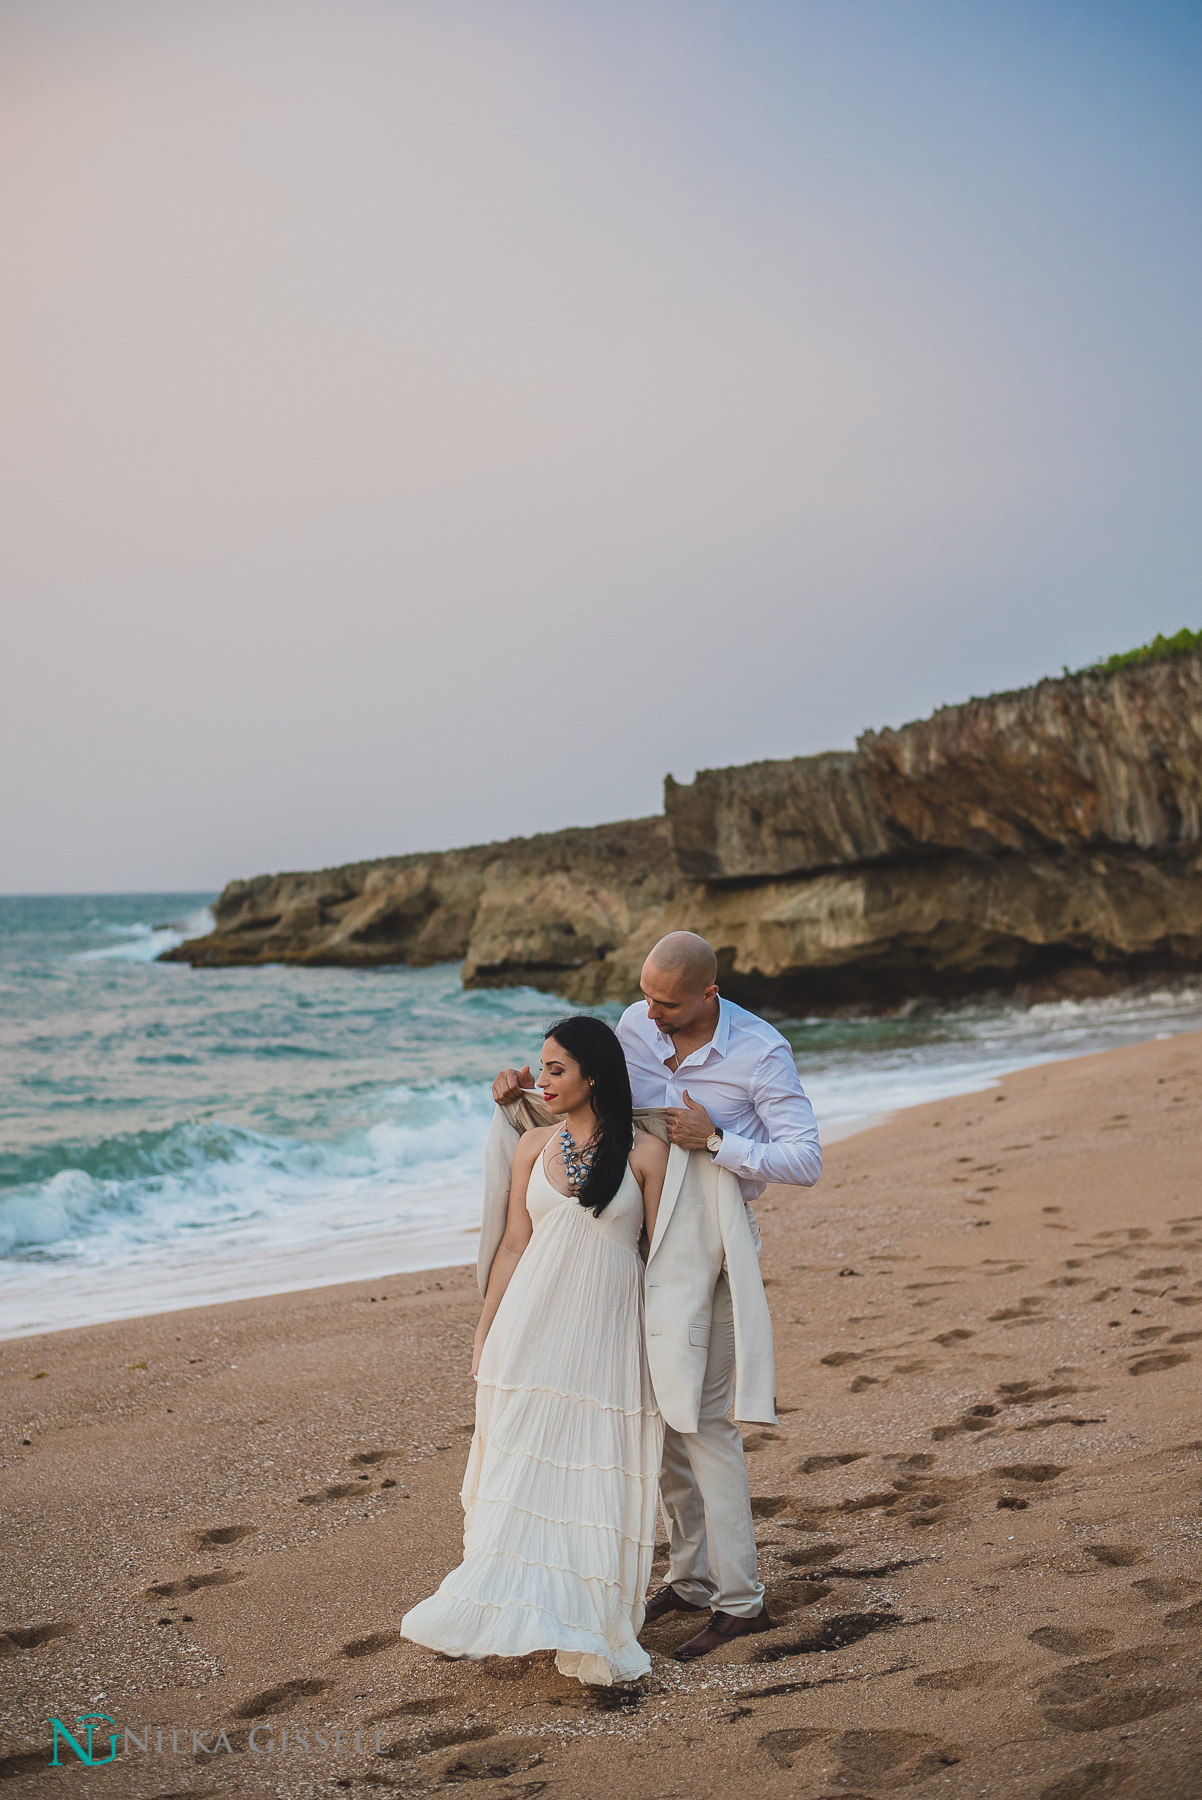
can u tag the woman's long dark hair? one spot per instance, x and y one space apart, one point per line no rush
592 1044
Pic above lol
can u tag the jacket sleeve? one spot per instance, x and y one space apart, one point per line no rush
755 1366
792 1154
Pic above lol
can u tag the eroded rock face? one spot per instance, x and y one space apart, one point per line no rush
531 906
943 927
1051 836
1089 760
779 818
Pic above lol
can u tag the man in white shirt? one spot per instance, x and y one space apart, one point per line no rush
731 1086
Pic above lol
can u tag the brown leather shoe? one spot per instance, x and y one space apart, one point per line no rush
723 1628
667 1600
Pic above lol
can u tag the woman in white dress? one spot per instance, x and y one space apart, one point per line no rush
560 1492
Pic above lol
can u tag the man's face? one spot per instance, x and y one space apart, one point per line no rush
671 1003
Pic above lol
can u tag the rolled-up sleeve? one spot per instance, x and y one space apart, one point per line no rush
792 1153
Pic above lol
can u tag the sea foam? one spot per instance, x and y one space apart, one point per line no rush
170 1135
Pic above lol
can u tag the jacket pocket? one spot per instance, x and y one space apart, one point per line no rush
699 1334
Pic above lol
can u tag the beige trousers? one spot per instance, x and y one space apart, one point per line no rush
703 1489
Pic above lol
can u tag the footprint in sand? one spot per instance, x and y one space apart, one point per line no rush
1071 1643
189 1584
1166 1587
220 1535
1026 1311
1038 1472
892 1758
1116 1556
838 1572
420 1743
1188 1619
371 1459
504 1757
814 1465
1159 1359
817 1556
759 1440
831 1634
807 1593
32 1762
1026 1393
1116 1690
279 1699
421 1708
372 1644
1096 1781
334 1490
14 1638
1060 1419
972 1675
977 1418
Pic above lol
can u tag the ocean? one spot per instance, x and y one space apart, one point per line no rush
171 1137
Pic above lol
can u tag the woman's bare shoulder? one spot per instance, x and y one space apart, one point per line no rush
536 1139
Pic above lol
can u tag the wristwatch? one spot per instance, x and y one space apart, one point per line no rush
713 1142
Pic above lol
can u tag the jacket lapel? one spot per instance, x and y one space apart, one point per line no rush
678 1163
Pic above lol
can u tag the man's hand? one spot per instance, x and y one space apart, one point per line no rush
509 1084
689 1125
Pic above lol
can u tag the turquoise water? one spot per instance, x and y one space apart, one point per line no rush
169 1135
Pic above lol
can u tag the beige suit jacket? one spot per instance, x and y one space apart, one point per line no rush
703 1229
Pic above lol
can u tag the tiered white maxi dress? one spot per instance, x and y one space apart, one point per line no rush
560 1492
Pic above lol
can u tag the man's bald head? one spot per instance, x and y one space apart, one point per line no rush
679 984
686 958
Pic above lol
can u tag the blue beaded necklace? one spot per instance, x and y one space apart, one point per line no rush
576 1163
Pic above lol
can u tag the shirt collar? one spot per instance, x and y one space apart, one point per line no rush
721 1037
717 1045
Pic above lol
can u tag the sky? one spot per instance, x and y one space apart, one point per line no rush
428 421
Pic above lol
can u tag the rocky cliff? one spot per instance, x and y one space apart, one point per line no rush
1093 759
1049 836
513 912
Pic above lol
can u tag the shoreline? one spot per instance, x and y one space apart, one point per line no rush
258 1176
367 1256
978 1514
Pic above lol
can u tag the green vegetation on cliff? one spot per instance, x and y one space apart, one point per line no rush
1162 649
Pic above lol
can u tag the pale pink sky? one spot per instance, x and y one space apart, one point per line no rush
427 422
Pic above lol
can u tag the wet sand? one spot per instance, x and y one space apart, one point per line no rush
980 1514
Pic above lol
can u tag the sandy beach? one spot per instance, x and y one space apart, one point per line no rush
979 1516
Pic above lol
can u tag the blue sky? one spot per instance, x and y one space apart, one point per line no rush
431 422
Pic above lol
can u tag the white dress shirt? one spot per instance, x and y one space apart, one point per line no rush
747 1081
